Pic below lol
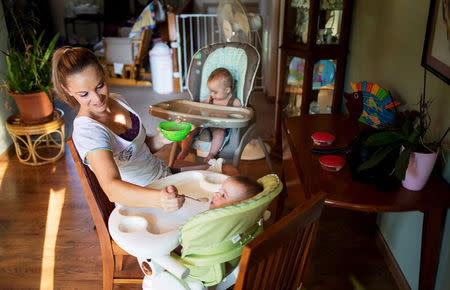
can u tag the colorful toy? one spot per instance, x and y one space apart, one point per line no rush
323 74
377 104
296 70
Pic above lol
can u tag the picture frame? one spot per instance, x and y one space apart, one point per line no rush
436 49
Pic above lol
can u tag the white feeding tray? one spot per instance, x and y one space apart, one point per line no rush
152 232
202 115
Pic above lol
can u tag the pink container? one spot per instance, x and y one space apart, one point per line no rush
419 170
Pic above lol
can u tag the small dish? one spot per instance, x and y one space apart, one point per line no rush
174 131
323 138
332 163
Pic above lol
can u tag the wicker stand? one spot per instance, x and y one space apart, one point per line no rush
38 144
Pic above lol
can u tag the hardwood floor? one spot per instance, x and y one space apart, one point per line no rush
48 240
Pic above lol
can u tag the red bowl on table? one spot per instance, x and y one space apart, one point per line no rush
332 163
323 138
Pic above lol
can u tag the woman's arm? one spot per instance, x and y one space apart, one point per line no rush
125 193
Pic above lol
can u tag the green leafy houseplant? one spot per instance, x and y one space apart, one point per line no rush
28 79
405 138
29 71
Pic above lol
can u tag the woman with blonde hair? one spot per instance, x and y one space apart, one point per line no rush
109 135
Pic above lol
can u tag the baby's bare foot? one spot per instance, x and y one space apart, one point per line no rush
209 157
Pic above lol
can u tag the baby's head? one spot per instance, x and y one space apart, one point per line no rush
220 83
235 189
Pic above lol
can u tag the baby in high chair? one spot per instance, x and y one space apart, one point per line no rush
220 84
235 189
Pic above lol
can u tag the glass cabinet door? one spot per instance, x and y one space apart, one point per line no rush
297 21
321 100
329 22
293 86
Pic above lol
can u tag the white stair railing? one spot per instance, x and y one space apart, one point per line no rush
195 31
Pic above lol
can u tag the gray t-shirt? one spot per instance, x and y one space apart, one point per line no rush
136 163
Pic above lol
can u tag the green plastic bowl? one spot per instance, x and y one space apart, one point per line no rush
174 131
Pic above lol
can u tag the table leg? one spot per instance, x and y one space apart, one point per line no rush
431 245
173 151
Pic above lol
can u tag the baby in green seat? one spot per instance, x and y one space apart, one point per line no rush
235 189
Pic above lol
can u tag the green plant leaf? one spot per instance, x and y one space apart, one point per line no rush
414 136
378 156
407 125
384 138
402 163
49 51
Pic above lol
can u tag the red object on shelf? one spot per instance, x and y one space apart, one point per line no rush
323 138
332 162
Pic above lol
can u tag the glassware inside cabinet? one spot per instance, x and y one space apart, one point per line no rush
329 22
293 86
297 21
321 100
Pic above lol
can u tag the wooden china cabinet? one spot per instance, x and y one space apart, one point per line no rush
312 58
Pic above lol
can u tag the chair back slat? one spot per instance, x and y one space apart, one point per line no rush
277 259
92 188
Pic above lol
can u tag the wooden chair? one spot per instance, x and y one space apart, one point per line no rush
101 208
131 53
277 258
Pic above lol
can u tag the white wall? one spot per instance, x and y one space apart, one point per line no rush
386 45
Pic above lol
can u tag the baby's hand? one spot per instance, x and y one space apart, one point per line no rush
170 200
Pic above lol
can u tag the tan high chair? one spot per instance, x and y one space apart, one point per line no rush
131 53
242 60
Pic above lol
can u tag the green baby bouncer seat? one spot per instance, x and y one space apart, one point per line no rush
212 242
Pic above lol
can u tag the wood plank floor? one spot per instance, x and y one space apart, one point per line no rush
48 241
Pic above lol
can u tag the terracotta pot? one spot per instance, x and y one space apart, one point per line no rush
419 170
33 108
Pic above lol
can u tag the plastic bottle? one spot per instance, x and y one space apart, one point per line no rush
161 68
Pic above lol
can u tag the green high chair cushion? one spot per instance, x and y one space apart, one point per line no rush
216 236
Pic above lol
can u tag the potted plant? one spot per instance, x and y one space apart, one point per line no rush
416 158
28 77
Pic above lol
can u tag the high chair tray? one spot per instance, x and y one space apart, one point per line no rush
203 115
150 232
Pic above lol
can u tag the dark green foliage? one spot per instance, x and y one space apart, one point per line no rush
30 71
28 58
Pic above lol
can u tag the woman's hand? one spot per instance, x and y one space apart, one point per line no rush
170 200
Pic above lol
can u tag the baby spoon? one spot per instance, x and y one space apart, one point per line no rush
201 199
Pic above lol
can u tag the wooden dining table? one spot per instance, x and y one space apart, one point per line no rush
304 177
